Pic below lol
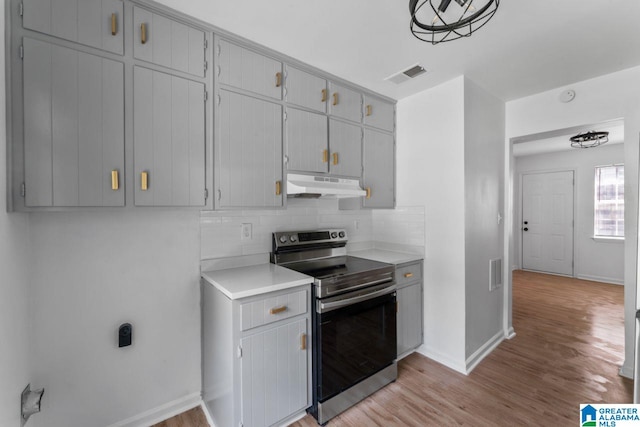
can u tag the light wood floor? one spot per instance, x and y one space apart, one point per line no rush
567 351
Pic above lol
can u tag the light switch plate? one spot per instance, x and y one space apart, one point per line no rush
246 231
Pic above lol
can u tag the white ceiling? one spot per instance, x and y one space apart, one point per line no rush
528 47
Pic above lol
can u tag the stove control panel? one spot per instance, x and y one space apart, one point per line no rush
309 238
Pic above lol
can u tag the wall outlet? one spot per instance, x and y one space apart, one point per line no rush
246 231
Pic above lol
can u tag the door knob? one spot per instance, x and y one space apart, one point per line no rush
525 229
526 222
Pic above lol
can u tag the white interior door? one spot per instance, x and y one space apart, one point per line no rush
547 222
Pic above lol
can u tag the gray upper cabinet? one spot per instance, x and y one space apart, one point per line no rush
245 69
306 90
248 152
346 149
95 23
306 141
345 103
379 169
73 127
169 43
379 114
169 139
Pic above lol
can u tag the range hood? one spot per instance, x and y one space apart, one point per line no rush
322 186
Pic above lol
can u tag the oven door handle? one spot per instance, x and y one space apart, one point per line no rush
328 306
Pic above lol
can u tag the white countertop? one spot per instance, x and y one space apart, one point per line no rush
242 282
389 257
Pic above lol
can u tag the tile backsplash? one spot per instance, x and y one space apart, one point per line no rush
221 231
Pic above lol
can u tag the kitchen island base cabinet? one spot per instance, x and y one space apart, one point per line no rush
258 376
410 318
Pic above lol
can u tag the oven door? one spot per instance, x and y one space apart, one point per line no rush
356 337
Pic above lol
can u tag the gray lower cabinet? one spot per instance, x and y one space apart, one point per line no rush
169 140
95 23
256 356
167 42
379 169
410 303
73 127
248 153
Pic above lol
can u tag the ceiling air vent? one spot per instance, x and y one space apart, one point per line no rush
407 74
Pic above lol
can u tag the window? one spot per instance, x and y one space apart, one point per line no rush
609 201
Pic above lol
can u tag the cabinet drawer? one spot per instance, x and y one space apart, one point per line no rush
269 310
409 273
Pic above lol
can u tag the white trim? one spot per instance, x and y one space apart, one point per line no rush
607 239
442 359
207 414
477 357
511 333
162 412
626 371
608 280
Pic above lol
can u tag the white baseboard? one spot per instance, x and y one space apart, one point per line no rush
207 414
473 360
442 359
162 412
601 279
510 334
288 421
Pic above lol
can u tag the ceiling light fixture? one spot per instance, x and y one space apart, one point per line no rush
589 139
445 24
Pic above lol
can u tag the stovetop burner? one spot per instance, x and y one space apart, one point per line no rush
335 266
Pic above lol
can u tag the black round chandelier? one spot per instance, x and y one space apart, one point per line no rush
435 22
589 139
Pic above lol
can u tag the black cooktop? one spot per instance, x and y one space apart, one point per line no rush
336 266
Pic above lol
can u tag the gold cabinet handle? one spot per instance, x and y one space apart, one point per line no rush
277 310
325 156
408 275
278 79
335 158
115 184
144 181
303 342
368 196
143 33
335 98
278 188
114 24
369 110
324 95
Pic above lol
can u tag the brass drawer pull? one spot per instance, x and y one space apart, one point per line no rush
325 156
277 310
114 24
144 181
143 33
369 109
335 158
278 188
408 275
115 184
303 342
324 95
368 196
335 98
278 79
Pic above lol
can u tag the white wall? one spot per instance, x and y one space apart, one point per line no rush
608 97
484 199
15 312
92 271
593 260
430 173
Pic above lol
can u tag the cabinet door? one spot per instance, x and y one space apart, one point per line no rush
346 149
379 114
73 127
306 90
249 152
169 43
345 103
307 141
95 23
274 382
169 140
248 70
379 169
409 318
